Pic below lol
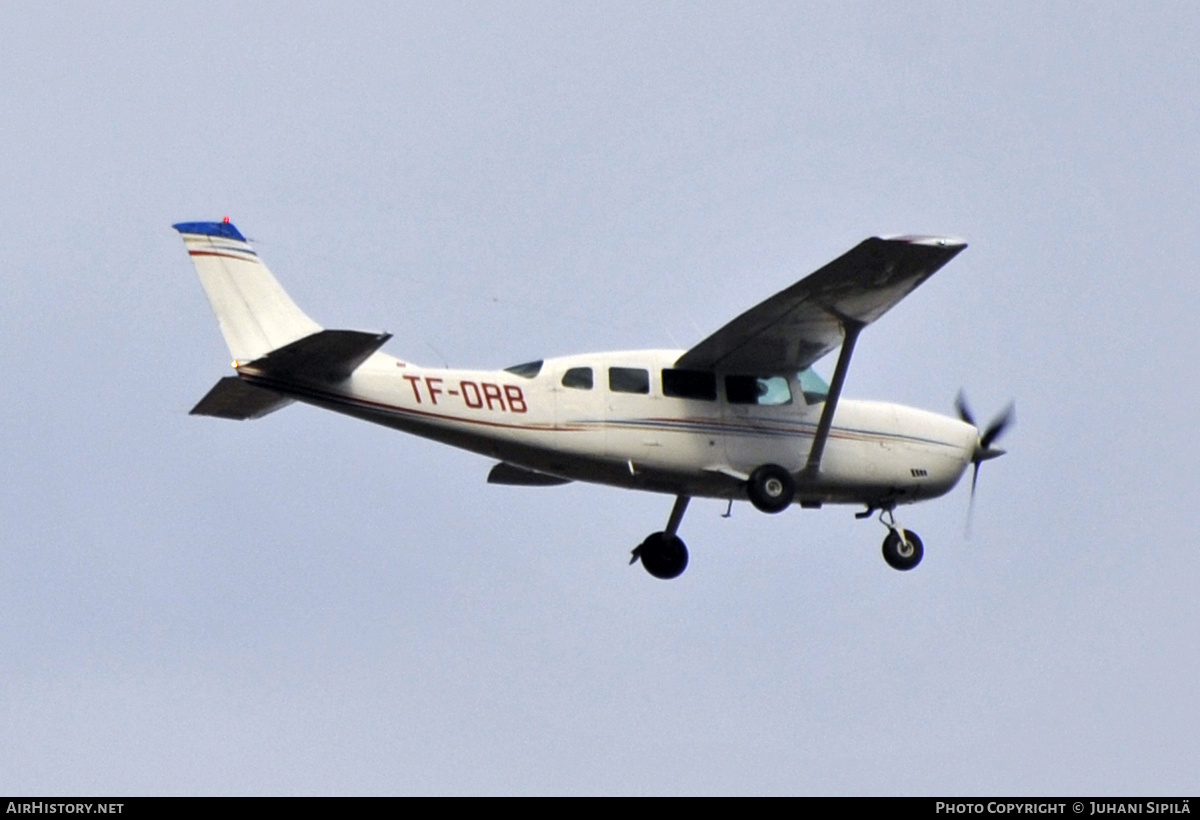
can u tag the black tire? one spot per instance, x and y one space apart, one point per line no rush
903 555
771 488
663 556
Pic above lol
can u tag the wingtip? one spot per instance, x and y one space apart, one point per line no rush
933 241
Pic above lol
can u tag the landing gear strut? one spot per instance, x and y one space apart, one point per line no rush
663 554
902 548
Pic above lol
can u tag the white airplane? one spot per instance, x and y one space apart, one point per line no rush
741 415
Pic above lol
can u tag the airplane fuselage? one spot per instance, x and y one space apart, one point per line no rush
628 419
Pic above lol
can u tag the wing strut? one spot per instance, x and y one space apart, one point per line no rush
851 328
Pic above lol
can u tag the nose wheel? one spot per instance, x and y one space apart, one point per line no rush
902 549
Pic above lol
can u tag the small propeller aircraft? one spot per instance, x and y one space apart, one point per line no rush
741 415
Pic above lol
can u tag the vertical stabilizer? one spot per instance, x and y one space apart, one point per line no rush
255 314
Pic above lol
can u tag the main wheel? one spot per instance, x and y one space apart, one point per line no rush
902 554
663 556
771 488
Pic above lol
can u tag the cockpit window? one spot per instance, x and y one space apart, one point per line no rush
527 370
764 390
689 384
814 387
578 378
628 380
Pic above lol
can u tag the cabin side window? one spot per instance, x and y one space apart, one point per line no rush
578 378
689 384
628 380
762 390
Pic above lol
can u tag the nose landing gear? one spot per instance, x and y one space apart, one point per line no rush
902 549
903 552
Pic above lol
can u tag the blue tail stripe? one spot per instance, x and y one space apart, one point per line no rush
224 229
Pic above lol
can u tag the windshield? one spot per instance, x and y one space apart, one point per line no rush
527 370
814 387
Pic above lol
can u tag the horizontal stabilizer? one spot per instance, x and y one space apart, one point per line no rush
511 474
232 398
328 356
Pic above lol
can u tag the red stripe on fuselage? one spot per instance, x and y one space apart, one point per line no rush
742 429
301 390
253 256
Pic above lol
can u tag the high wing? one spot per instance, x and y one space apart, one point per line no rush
800 324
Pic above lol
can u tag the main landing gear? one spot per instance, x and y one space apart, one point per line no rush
902 548
771 488
663 554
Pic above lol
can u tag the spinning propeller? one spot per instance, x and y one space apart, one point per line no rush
984 451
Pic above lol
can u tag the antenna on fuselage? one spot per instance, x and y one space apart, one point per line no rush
445 363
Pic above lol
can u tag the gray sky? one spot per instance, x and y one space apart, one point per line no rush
308 604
